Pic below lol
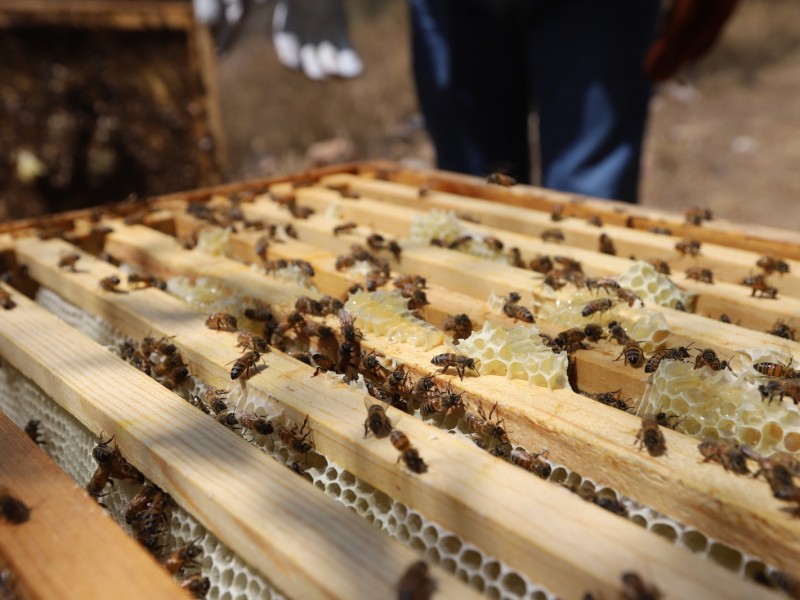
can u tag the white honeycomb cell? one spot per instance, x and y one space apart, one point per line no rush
215 241
205 294
440 224
654 287
723 404
294 275
386 313
517 353
647 327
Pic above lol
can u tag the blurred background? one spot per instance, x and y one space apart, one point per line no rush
723 137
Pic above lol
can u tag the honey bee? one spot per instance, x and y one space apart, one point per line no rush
416 298
660 230
254 422
408 454
517 312
568 263
596 306
347 324
308 306
395 249
425 190
618 333
650 437
557 214
541 264
459 362
571 339
779 470
372 363
701 275
724 318
661 266
758 284
772 264
271 266
493 243
245 366
330 305
515 258
681 353
118 467
553 235
782 330
688 246
587 492
345 227
595 220
460 325
634 588
606 245
460 241
376 242
479 423
215 399
344 262
608 284
32 431
708 358
696 216
196 585
183 558
110 283
98 481
423 389
221 322
305 267
416 583
67 261
501 179
778 370
377 422
633 354
324 363
294 438
12 509
726 452
530 462
261 312
248 340
138 281
137 505
593 332
612 399
443 403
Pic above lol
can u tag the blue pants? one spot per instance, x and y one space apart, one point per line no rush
481 65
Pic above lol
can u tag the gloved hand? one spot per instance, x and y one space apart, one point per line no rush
312 35
224 17
690 29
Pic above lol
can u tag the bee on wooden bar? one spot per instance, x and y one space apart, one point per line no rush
650 437
347 324
696 215
33 432
253 422
634 588
728 453
221 321
422 390
541 264
425 190
247 340
372 364
595 220
110 283
479 423
98 481
67 261
294 438
501 179
607 284
515 258
779 470
596 306
408 454
515 311
306 268
493 243
324 363
587 492
606 245
593 332
12 509
271 266
557 214
138 281
196 585
215 399
688 246
618 333
344 262
198 403
530 462
681 354
416 583
701 275
260 312
758 285
443 403
778 370
553 235
345 227
377 422
460 325
458 361
661 266
245 367
416 297
571 340
395 249
629 296
772 264
376 242
410 280
134 508
118 467
229 420
330 305
660 230
460 241
398 380
708 358
783 330
613 399
308 306
183 557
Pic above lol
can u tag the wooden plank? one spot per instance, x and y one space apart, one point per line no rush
55 553
728 264
303 541
480 498
567 424
735 300
119 14
754 238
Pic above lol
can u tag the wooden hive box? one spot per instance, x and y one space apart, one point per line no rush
273 519
102 99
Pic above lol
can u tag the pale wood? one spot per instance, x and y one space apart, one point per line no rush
755 238
303 541
596 440
119 14
476 277
728 264
578 547
735 300
56 553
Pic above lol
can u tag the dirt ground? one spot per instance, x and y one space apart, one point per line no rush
726 138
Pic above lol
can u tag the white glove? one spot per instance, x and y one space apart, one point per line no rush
312 35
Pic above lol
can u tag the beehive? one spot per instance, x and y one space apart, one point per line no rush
484 525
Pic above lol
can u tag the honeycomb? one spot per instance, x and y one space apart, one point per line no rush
517 353
205 294
653 287
215 241
440 224
647 327
386 313
725 404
